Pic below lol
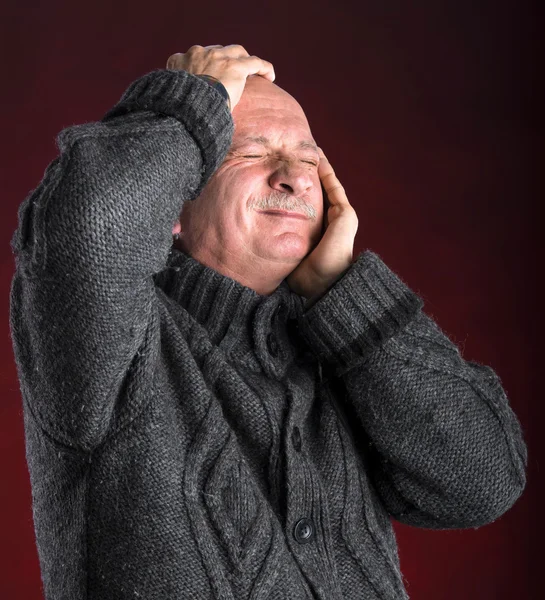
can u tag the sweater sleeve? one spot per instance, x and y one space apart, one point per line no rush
91 236
446 449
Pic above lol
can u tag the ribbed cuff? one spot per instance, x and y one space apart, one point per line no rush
196 104
368 305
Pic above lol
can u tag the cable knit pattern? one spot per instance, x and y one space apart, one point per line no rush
189 438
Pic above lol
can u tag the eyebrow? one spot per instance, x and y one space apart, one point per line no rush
260 139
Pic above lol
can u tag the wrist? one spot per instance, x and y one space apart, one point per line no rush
217 85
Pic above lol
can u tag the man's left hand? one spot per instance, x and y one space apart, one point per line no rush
333 254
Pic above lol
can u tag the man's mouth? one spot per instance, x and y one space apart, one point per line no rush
284 213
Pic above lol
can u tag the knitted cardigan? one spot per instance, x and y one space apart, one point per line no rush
189 438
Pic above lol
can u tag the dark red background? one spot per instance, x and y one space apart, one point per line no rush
430 113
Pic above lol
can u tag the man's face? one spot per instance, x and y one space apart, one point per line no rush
272 164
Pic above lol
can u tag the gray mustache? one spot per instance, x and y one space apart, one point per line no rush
281 201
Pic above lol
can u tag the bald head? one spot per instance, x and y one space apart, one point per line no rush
261 96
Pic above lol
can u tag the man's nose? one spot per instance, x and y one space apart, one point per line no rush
291 179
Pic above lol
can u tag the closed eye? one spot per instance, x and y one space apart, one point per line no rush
308 162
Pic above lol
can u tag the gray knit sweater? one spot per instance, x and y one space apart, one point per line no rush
188 438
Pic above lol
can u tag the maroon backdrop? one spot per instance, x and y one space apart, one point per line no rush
428 114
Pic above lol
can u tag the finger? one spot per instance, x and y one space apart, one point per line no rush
173 59
257 66
336 193
324 167
236 51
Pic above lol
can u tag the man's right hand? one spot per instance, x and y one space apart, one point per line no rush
230 64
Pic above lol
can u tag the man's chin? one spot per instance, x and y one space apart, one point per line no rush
285 252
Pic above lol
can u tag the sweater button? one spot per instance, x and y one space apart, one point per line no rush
296 439
272 345
304 531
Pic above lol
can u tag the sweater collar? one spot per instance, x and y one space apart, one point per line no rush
237 318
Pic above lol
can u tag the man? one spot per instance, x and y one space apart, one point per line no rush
239 414
239 226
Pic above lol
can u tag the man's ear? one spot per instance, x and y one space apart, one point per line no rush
176 228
